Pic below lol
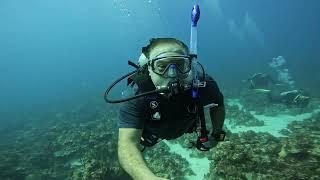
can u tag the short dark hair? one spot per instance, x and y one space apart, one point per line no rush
155 41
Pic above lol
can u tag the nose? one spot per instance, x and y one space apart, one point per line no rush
172 71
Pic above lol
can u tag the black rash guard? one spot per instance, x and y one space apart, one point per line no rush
175 118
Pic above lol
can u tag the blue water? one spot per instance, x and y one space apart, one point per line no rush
56 50
58 53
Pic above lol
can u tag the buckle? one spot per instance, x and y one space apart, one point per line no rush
210 105
202 84
198 83
219 136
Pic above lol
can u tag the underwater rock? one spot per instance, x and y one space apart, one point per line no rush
251 155
241 117
77 146
285 132
170 165
73 145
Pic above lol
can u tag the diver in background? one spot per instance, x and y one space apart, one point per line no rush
260 81
277 92
144 121
295 98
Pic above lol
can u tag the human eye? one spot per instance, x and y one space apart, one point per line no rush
161 66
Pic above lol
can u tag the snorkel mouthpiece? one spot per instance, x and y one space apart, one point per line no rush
195 15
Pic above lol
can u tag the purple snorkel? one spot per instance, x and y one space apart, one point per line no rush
195 16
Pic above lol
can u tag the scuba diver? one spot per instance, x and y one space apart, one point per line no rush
260 81
146 120
277 91
296 98
170 94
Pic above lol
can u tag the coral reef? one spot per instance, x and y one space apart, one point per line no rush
240 117
79 144
82 144
161 161
251 155
260 104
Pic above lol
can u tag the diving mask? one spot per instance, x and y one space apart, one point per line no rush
171 66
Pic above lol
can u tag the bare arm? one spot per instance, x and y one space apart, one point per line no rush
130 156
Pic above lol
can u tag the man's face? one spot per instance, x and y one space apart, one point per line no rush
166 50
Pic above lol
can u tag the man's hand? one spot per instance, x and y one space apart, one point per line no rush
130 157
